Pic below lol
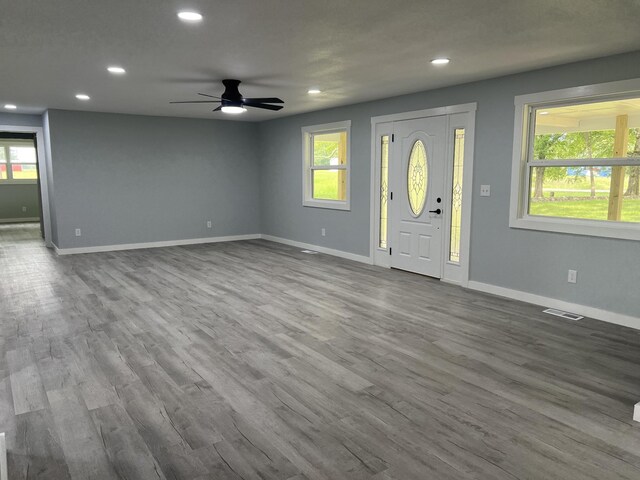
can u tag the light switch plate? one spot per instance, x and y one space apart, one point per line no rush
485 190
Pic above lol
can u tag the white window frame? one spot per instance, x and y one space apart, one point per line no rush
525 110
4 144
308 167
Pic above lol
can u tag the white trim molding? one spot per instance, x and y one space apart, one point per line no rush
167 243
591 312
4 475
329 251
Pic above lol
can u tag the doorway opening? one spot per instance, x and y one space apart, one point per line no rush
421 183
21 218
24 185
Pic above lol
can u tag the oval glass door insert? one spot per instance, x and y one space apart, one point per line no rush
417 176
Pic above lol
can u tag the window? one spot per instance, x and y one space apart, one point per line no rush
578 164
18 161
456 196
384 190
326 165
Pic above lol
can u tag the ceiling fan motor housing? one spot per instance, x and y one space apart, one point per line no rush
231 96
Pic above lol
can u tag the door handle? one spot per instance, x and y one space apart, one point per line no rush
437 211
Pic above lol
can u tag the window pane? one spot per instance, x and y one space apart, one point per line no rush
330 149
3 154
24 172
417 176
456 195
3 172
594 193
384 189
588 130
20 154
329 184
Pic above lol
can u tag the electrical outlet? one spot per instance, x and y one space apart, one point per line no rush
78 232
572 277
636 412
208 223
485 190
324 232
24 209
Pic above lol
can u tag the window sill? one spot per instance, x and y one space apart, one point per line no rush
18 182
327 204
591 228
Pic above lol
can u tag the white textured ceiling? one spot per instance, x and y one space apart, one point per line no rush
354 50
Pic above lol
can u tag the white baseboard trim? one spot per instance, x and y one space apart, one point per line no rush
19 220
167 243
317 248
592 312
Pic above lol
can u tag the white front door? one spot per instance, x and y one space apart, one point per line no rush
417 177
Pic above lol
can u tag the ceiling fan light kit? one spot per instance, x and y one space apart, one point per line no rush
232 101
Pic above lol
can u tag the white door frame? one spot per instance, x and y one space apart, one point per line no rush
42 171
454 273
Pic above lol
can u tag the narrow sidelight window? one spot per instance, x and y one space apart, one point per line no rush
456 195
384 189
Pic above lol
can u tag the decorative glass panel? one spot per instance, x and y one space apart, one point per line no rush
329 184
456 195
384 189
417 177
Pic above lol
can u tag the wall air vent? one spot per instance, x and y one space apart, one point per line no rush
563 314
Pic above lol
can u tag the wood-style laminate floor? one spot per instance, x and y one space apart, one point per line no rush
251 360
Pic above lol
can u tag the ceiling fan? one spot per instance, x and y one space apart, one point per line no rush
232 100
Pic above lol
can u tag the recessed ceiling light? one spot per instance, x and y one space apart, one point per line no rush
440 61
313 91
116 70
233 110
10 106
189 16
544 113
82 96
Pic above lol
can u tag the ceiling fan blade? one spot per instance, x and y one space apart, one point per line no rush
264 105
248 101
199 101
205 95
217 109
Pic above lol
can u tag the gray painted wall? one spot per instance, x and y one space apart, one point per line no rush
130 179
18 119
535 262
14 197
